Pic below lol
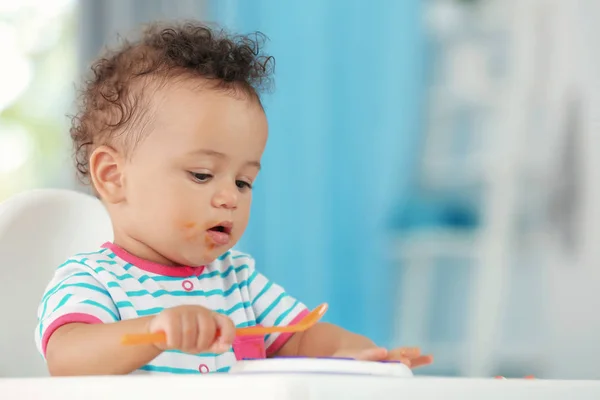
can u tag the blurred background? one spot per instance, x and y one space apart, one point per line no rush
432 170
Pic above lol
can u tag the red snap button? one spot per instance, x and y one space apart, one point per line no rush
187 285
203 368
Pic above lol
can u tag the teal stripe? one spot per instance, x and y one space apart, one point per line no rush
240 256
212 355
81 285
113 285
263 291
156 310
224 256
69 262
170 370
282 317
265 313
212 274
161 278
60 304
91 253
63 301
183 293
285 314
180 371
87 286
41 323
109 262
144 278
59 287
148 311
123 304
103 307
225 273
59 284
245 324
230 311
118 277
252 277
44 308
111 255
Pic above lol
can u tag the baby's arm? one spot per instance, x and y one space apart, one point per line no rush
327 340
95 349
324 340
84 349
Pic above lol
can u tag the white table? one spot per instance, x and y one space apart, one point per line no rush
291 387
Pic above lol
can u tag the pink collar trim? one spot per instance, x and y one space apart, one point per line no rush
155 268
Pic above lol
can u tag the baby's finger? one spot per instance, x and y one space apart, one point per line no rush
206 331
374 354
226 331
409 352
171 326
421 361
189 332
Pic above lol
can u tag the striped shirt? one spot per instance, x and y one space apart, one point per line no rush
111 285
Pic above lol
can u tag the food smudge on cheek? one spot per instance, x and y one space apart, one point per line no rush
189 230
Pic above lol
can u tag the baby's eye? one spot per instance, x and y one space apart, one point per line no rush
243 185
201 177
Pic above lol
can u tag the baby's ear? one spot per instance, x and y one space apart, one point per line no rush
106 172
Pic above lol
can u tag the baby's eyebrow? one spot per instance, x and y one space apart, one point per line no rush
254 164
207 152
213 153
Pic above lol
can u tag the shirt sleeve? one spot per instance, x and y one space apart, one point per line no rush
273 306
73 295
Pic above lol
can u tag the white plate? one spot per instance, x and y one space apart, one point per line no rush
322 365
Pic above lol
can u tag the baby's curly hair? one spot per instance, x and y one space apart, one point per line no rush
115 100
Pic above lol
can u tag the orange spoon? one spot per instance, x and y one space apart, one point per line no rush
308 321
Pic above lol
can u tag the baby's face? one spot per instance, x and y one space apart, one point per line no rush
188 183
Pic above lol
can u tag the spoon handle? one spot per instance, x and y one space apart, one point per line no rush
143 338
160 337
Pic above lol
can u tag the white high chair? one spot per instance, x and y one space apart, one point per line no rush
39 230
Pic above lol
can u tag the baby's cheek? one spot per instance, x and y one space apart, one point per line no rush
188 230
191 232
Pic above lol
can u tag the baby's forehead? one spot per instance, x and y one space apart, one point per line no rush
199 104
187 116
176 94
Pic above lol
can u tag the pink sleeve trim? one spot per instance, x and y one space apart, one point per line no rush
64 320
284 337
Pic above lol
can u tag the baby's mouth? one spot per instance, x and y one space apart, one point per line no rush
224 227
220 234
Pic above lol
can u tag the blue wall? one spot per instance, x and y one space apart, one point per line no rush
345 121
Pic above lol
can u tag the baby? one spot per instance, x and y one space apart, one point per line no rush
170 133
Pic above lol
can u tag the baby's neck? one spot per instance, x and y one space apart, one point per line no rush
141 250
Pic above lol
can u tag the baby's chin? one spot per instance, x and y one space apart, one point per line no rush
199 256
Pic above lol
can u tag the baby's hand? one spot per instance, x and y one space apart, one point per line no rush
411 357
194 329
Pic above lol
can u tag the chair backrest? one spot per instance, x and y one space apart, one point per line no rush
39 230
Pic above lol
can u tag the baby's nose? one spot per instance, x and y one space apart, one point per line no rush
226 198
